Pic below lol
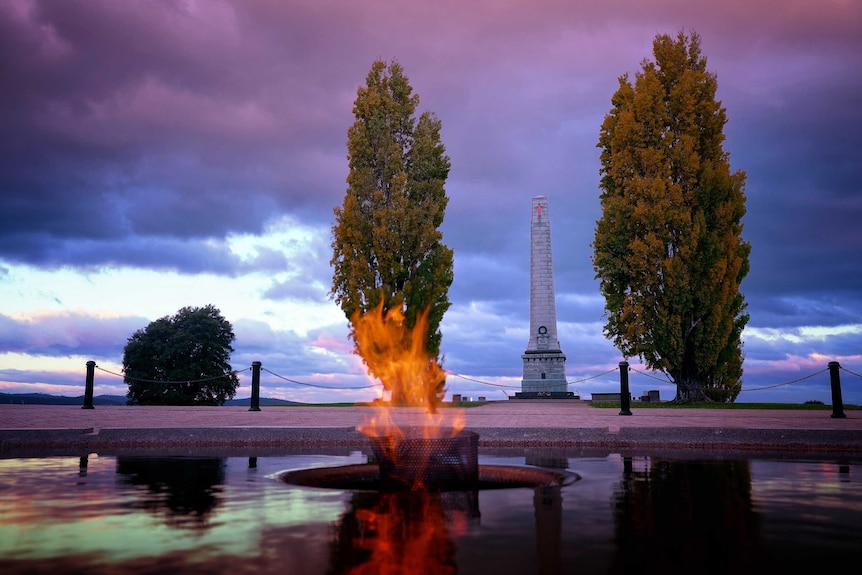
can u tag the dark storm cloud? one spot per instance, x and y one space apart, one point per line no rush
61 335
297 289
193 121
482 279
146 134
829 309
141 120
804 204
162 253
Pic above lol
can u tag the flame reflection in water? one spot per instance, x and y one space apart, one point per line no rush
101 515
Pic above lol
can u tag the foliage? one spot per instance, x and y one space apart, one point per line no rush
807 406
386 243
181 360
668 250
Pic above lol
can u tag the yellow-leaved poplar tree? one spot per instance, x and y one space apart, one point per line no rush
387 247
668 249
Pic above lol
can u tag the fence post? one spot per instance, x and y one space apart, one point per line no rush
625 396
88 387
255 386
835 381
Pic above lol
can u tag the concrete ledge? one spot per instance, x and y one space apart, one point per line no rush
742 438
540 436
676 438
312 439
82 441
60 438
229 436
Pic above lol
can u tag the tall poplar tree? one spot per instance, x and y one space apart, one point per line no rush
387 248
668 249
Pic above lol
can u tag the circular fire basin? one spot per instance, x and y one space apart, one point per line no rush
367 477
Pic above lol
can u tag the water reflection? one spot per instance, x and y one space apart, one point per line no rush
547 458
402 532
418 532
184 490
679 516
102 514
548 510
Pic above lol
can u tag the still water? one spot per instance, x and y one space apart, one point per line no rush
640 514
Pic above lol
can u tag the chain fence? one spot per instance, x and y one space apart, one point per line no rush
316 385
378 385
202 380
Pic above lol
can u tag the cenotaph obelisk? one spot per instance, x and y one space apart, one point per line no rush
544 361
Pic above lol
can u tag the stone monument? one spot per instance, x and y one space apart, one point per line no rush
544 361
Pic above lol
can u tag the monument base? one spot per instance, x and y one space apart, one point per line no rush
545 395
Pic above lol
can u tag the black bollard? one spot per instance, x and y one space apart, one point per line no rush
625 396
835 380
255 386
88 388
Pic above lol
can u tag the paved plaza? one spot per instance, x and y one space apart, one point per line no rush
503 423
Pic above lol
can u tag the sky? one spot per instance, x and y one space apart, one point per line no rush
156 155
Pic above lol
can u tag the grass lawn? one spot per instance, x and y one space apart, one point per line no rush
672 405
616 405
444 405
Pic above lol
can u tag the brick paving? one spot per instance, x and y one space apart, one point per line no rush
526 414
500 423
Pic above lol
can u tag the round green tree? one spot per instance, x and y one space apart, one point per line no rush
387 247
183 359
668 249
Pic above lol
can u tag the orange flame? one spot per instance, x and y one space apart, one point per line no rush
396 355
407 533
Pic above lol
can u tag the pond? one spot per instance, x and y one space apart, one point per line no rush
644 513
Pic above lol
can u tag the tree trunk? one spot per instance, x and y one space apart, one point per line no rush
397 396
689 391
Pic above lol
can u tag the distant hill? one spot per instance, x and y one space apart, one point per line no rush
48 399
